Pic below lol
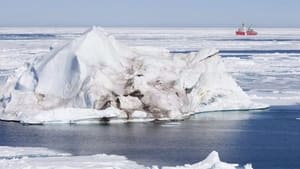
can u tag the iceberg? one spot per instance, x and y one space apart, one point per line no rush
42 158
95 78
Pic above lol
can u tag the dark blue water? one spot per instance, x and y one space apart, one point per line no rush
260 39
247 52
269 139
28 36
37 36
286 51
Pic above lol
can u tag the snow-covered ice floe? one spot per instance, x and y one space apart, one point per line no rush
269 78
7 152
42 158
95 78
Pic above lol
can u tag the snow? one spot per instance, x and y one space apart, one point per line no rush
139 114
212 161
41 158
270 78
85 78
19 152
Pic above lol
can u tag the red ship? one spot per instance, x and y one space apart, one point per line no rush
242 31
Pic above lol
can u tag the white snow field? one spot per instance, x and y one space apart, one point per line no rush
41 158
95 78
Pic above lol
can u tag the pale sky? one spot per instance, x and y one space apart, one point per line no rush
260 13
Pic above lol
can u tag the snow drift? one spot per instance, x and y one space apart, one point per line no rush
42 158
95 78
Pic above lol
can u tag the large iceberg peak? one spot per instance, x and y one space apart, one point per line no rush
64 71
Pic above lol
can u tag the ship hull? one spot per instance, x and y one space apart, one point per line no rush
239 33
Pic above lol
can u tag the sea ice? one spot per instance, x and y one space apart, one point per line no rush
94 78
41 158
19 152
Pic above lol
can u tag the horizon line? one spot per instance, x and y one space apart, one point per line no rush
143 26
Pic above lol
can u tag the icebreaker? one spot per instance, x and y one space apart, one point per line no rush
94 78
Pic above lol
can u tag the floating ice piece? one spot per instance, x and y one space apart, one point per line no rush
47 159
212 161
95 77
69 115
20 152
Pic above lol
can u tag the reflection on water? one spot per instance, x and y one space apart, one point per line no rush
266 138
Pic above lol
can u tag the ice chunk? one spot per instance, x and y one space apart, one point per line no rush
29 79
139 114
94 73
211 162
18 152
130 103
